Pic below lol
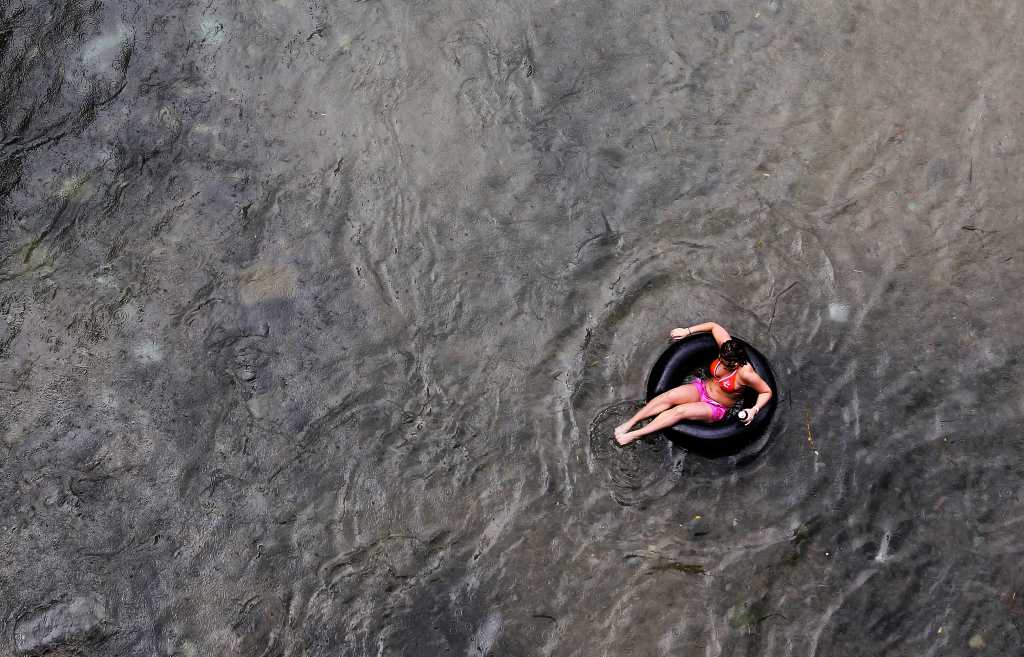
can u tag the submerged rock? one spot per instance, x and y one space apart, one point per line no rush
80 619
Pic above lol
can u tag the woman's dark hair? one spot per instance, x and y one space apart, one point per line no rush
733 353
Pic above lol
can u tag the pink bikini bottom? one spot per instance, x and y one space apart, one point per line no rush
717 410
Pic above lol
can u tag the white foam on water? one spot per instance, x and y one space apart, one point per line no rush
149 352
211 29
839 312
101 52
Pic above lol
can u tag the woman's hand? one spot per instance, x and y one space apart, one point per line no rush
751 412
677 334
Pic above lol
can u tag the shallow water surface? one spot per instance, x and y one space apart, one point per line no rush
315 319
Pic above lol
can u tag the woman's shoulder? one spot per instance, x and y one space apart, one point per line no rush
748 373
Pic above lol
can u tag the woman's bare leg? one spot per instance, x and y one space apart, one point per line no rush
683 394
691 411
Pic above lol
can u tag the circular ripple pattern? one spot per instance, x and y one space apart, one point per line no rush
642 471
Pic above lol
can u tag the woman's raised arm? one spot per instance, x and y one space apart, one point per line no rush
719 333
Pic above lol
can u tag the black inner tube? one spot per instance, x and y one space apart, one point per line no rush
679 363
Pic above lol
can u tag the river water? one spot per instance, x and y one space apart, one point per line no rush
316 317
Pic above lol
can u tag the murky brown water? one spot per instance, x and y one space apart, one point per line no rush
315 319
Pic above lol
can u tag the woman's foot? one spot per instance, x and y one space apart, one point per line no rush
622 428
624 438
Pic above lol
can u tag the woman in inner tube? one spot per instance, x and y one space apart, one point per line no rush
706 400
